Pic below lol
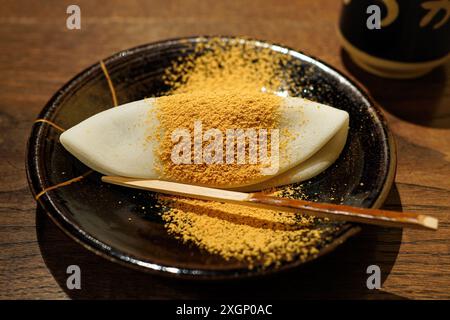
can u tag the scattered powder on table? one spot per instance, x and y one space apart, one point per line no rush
216 83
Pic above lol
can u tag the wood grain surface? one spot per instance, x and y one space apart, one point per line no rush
39 54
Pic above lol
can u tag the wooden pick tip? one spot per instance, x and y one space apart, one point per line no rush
431 222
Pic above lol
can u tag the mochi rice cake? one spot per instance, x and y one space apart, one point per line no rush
139 139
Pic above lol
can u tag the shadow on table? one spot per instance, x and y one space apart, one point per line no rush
341 274
414 100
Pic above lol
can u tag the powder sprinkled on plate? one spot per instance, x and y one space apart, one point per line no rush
233 65
252 235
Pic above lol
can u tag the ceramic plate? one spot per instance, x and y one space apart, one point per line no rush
121 225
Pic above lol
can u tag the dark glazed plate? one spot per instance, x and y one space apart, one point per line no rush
121 224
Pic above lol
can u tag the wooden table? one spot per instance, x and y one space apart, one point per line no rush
39 54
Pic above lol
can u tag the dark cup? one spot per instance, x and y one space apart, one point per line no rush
411 37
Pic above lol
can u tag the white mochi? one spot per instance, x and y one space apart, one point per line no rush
122 141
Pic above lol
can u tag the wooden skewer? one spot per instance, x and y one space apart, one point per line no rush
323 210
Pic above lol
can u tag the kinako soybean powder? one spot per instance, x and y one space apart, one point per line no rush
225 84
223 112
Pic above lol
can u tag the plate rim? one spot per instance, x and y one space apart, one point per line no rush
89 242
